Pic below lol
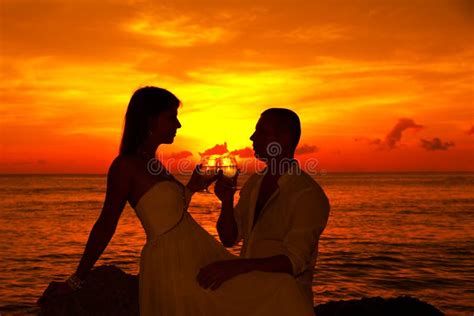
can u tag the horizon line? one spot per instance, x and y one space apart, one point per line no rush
320 175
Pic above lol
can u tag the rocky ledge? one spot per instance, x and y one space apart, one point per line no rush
110 291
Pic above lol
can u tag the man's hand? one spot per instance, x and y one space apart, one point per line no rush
213 275
225 187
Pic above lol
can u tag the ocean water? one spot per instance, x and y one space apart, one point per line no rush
387 235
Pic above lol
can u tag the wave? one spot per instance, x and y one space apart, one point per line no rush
30 191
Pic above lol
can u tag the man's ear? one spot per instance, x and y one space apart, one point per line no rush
285 140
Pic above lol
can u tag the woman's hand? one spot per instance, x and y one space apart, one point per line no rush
225 187
200 181
63 288
55 289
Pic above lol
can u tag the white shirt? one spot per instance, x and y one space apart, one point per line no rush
290 222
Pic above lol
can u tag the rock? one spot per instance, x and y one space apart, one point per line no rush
378 306
110 291
107 291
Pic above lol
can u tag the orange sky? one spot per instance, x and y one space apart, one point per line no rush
379 85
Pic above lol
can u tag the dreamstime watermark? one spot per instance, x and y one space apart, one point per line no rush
274 149
274 164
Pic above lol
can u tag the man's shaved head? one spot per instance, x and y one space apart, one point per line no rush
286 122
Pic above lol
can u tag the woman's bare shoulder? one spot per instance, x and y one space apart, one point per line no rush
123 166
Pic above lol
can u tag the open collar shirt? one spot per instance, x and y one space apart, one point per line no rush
290 223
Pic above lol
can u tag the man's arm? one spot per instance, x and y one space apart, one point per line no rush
310 215
213 275
227 226
311 211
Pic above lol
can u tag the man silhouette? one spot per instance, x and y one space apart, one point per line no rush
281 212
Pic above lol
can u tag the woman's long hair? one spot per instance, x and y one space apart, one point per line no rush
146 103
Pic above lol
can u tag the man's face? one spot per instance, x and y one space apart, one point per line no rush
264 135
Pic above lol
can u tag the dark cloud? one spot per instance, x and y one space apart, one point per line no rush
216 150
179 155
306 149
246 152
435 144
470 131
376 141
371 141
395 134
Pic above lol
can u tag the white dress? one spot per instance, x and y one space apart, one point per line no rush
177 247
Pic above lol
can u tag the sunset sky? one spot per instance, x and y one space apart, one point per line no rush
379 85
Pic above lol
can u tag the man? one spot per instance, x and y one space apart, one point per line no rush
281 212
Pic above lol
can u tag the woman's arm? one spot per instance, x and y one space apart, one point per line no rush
118 188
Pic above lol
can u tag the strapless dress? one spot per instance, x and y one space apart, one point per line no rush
177 247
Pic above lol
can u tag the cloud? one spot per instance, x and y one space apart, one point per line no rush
179 32
216 150
470 131
435 144
306 149
178 155
395 134
246 152
346 72
309 34
376 141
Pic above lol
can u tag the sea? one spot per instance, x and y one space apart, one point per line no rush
389 234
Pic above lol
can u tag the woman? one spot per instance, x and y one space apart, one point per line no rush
177 247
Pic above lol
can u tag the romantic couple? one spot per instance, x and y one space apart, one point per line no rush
280 216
